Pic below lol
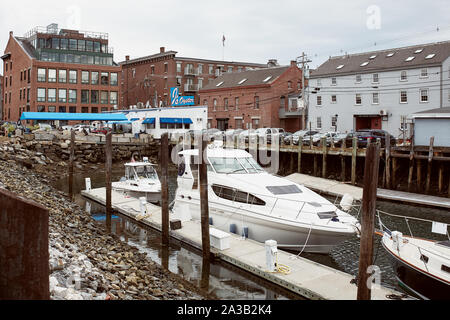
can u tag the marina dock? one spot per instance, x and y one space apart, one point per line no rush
338 189
306 278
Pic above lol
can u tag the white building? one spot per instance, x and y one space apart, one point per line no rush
156 121
380 89
432 123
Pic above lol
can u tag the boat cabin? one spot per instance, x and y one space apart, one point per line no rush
140 170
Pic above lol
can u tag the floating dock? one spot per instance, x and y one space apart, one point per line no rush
338 189
306 278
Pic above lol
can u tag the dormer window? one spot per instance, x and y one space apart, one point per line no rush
418 51
219 84
409 59
364 64
339 66
267 79
373 57
390 54
430 56
242 81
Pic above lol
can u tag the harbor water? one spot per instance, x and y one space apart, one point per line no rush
228 282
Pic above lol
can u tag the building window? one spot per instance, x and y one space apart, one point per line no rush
113 97
211 69
62 95
375 78
41 75
424 73
84 109
255 123
62 109
358 78
178 81
200 69
200 83
282 103
319 100
41 108
62 76
40 95
104 78
225 104
319 122
333 121
375 98
236 102
215 104
94 110
85 77
166 67
238 123
152 70
51 109
256 102
104 97
84 96
94 77
51 75
358 100
51 95
403 76
333 99
73 109
178 66
230 69
403 96
113 80
333 81
94 96
423 95
72 76
72 96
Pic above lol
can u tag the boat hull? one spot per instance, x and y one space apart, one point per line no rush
152 197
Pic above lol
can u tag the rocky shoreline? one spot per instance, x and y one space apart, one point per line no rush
86 262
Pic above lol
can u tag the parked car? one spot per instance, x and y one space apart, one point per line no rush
103 130
300 135
339 138
286 137
373 134
316 139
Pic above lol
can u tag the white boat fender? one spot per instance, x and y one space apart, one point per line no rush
346 202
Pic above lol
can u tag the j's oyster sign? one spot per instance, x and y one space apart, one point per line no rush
177 100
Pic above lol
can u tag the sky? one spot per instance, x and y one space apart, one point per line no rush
254 30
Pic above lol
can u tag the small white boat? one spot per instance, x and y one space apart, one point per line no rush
243 198
421 266
141 180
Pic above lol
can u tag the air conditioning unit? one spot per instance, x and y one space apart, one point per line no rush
383 112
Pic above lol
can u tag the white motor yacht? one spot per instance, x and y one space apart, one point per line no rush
140 180
243 198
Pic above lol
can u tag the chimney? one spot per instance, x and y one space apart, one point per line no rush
10 33
162 49
272 63
293 63
127 58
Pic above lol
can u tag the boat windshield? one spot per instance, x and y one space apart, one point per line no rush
235 165
143 172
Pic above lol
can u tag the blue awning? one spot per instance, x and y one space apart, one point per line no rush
73 116
149 121
175 120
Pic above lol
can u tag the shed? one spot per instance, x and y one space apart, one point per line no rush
432 123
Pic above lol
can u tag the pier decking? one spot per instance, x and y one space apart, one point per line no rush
306 278
338 188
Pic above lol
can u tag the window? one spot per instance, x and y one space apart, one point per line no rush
73 109
333 121
113 79
104 97
51 109
230 69
215 104
85 77
152 70
333 99
242 81
225 104
51 75
375 98
236 102
62 95
403 96
282 103
166 67
104 79
238 123
62 109
72 76
319 100
256 102
81 45
94 96
364 64
41 108
339 66
200 69
73 44
40 95
358 100
51 95
41 75
430 56
62 76
96 46
84 109
358 78
236 195
375 78
409 59
200 83
72 96
333 81
84 96
94 77
424 73
63 44
255 123
178 66
113 97
319 122
211 69
423 95
289 84
403 76
94 110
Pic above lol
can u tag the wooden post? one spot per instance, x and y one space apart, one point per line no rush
419 173
411 165
394 170
164 157
343 160
108 164
430 159
324 157
387 145
441 177
292 162
315 164
354 151
204 207
368 219
299 159
71 160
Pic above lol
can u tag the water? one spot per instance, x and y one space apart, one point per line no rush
228 282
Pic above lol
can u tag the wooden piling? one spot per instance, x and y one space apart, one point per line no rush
164 157
441 178
354 151
324 157
343 176
394 170
71 160
411 165
430 159
108 182
299 158
368 220
387 145
315 165
204 208
419 174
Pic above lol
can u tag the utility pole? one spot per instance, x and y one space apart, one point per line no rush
304 60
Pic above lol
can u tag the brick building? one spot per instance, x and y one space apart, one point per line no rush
1 97
255 99
147 80
59 70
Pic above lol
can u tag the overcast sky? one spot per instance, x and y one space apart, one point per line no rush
255 30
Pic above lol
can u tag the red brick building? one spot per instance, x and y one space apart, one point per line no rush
59 70
265 98
1 97
147 80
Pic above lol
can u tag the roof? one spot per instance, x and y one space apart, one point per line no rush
423 55
152 56
73 116
253 78
433 113
249 64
